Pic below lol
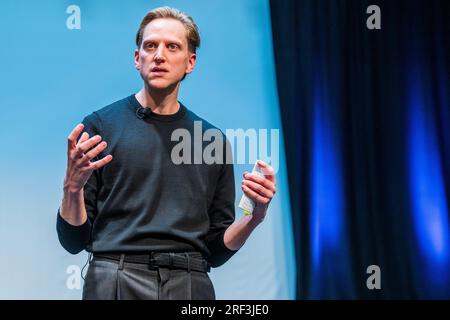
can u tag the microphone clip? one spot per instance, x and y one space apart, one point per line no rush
141 113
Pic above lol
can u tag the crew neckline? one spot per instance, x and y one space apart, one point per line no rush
135 105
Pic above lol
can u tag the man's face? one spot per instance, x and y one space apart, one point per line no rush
163 58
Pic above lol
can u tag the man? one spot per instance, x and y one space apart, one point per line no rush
154 227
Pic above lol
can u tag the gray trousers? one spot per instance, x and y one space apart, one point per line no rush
114 280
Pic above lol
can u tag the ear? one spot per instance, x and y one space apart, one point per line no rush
136 59
191 63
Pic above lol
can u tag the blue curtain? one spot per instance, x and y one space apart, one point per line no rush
366 120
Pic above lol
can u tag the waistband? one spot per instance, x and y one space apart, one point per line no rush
172 260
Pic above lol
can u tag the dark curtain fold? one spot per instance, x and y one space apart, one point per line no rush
366 120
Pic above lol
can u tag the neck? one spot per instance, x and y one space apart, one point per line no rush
163 101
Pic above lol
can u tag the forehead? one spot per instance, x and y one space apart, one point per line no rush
168 29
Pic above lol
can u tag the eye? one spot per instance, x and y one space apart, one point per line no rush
173 46
150 45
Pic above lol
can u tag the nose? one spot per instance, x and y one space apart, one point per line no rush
159 54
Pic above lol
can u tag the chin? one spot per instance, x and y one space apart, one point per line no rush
159 84
162 83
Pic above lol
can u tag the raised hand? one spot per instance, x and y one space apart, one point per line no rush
79 156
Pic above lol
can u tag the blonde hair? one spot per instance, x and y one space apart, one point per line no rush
192 33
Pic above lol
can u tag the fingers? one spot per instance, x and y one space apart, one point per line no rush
258 188
93 153
255 196
84 137
73 136
262 180
75 155
86 149
100 163
267 170
271 178
83 147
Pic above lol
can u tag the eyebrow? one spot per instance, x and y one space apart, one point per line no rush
169 41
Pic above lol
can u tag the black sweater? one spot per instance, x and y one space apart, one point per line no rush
141 201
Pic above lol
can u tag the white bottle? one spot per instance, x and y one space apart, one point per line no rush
247 204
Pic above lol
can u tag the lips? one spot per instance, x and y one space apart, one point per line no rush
158 69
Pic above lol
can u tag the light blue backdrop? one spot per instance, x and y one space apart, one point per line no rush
51 77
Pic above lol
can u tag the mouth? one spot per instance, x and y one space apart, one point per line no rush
158 70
